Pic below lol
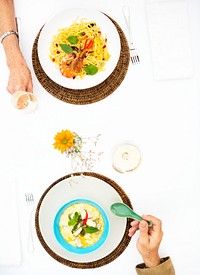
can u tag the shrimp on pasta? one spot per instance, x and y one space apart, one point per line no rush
79 50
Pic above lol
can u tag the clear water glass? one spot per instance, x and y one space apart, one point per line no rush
126 157
23 101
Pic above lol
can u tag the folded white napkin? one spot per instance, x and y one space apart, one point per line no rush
10 250
168 27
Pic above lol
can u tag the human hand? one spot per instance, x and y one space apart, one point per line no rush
20 77
149 239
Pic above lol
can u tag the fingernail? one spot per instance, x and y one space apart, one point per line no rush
143 224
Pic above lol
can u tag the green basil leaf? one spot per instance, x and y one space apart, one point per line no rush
71 222
66 48
72 39
76 215
91 69
90 229
75 227
74 220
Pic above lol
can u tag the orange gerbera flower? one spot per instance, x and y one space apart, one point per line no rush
64 140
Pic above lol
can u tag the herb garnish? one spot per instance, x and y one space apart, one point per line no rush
76 221
66 48
72 39
90 229
91 69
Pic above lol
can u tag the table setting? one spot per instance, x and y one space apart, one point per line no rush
95 147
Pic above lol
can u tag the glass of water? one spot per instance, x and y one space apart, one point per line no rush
26 102
126 157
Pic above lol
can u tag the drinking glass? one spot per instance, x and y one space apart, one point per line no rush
26 102
126 157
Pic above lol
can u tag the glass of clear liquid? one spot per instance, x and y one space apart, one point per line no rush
126 157
25 102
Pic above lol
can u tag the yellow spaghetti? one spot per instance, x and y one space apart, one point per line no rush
79 49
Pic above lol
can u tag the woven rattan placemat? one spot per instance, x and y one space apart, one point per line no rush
90 95
103 261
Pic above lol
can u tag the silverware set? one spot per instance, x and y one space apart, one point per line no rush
133 52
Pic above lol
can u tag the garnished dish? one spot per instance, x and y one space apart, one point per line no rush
89 188
79 37
79 50
81 226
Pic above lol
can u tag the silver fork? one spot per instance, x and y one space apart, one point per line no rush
133 53
31 206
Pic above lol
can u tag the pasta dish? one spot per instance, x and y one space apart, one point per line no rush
79 50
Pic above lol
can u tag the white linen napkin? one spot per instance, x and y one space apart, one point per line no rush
168 27
10 249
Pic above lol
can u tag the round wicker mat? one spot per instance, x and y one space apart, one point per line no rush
103 261
90 95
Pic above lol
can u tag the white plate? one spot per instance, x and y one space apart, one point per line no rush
70 188
65 19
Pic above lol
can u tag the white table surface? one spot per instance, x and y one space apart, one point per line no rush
161 117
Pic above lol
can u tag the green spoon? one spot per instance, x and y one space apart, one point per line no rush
123 210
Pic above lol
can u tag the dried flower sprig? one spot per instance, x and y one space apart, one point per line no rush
81 150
